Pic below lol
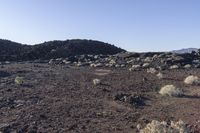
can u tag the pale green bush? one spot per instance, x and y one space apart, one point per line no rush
192 80
96 82
19 80
174 67
170 90
163 127
151 70
160 75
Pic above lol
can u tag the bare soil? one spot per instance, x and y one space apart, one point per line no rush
61 99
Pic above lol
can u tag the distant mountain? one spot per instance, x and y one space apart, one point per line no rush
12 51
186 50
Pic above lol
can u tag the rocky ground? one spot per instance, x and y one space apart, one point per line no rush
134 61
60 97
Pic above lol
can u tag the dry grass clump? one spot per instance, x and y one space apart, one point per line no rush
160 75
174 67
135 68
145 65
192 80
187 66
170 90
96 82
19 80
164 127
151 70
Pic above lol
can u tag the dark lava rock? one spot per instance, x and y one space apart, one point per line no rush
5 128
8 103
135 99
121 97
4 74
149 54
128 55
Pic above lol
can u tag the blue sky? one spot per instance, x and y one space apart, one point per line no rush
135 25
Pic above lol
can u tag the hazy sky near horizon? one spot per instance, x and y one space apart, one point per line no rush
135 25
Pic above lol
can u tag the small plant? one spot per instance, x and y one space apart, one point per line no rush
170 90
174 67
145 65
148 59
19 80
187 66
135 68
192 80
96 82
160 75
164 127
151 70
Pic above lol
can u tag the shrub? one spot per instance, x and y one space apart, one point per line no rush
151 70
19 80
187 66
192 80
135 68
145 65
96 82
160 75
148 59
174 67
163 127
170 90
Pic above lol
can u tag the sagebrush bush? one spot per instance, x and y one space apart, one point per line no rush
187 66
96 81
192 80
145 65
170 90
164 127
151 70
160 75
174 67
19 80
135 68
